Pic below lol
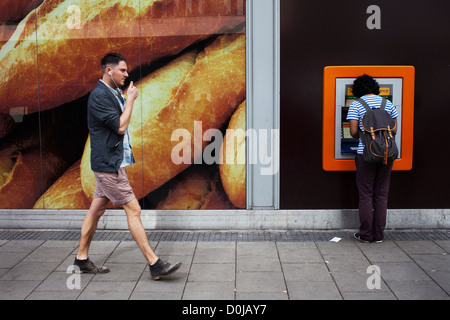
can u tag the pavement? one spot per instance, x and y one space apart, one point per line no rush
251 265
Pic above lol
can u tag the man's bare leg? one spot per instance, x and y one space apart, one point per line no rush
133 211
89 226
158 268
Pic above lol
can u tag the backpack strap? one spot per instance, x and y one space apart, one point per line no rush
383 103
364 104
367 107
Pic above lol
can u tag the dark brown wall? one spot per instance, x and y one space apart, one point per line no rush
315 34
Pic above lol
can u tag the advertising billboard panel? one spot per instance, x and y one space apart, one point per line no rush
187 58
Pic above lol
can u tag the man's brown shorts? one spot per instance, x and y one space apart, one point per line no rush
114 186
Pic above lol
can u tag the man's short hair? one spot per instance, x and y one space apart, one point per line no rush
111 60
365 84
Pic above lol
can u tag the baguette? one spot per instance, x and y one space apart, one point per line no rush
197 188
233 169
140 30
65 193
218 73
26 177
217 199
6 166
190 191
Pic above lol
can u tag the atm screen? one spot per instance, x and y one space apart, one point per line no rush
348 144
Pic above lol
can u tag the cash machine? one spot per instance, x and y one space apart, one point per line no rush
396 84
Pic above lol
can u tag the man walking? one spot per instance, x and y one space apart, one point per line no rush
109 115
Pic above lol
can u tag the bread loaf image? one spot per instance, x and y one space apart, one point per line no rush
196 188
189 192
205 87
217 199
11 12
65 193
69 37
24 176
233 153
6 166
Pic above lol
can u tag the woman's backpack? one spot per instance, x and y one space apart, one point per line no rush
377 138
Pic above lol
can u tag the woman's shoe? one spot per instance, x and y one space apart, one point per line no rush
358 237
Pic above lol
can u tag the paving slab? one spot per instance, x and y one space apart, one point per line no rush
255 263
212 272
216 290
312 272
444 244
420 247
430 262
107 290
17 289
402 271
25 270
387 251
418 290
306 290
442 279
257 281
357 281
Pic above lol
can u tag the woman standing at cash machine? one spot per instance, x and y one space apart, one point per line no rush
372 180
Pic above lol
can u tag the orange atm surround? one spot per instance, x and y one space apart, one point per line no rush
407 73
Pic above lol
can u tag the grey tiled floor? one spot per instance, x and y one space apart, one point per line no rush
234 268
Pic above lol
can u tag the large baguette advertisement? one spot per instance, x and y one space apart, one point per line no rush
187 59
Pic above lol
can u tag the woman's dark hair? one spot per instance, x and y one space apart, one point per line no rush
365 84
111 59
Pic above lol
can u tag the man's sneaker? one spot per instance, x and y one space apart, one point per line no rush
162 269
358 237
87 266
378 241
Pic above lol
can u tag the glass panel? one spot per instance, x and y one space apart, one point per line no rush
20 165
187 59
188 101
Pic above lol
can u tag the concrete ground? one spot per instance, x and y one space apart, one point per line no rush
254 265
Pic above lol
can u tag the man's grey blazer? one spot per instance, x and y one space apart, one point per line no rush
104 113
